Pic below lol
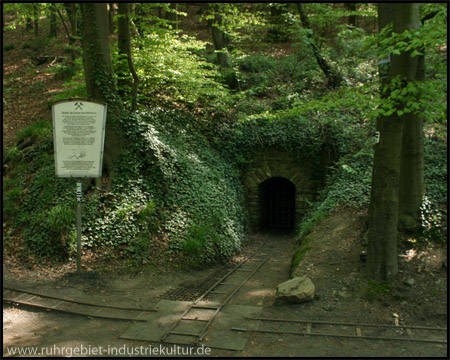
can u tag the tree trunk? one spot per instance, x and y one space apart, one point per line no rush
138 15
71 9
124 44
220 40
123 81
100 81
36 19
172 15
74 23
277 26
111 17
28 23
382 250
412 166
53 27
334 78
382 261
351 18
69 36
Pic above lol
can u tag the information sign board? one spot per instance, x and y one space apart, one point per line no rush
79 137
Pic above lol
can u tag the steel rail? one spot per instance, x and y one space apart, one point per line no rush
229 297
76 301
346 324
55 308
217 307
362 337
195 302
222 278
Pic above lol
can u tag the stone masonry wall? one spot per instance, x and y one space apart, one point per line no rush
272 162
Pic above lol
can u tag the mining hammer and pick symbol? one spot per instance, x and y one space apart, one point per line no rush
78 105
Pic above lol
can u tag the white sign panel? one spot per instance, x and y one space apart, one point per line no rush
79 137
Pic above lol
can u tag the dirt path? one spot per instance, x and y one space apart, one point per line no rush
338 298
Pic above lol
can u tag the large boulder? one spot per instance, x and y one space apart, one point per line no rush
295 291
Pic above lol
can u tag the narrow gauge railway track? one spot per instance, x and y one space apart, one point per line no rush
347 330
193 324
48 302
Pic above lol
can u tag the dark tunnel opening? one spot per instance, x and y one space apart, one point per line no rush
277 201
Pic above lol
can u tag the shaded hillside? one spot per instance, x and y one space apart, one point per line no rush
179 194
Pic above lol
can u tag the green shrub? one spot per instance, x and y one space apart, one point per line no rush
434 205
46 213
147 210
75 86
375 290
300 253
10 201
40 129
65 71
11 155
72 89
8 47
37 204
175 73
60 218
201 244
39 44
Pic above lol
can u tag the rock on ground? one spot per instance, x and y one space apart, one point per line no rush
295 291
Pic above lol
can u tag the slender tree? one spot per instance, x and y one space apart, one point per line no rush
220 40
53 27
111 17
124 44
61 17
351 7
382 261
72 13
333 76
36 18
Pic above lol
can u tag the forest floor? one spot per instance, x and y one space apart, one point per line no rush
343 294
28 84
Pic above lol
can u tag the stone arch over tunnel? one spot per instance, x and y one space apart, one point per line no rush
273 168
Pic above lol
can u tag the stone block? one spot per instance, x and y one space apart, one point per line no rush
295 291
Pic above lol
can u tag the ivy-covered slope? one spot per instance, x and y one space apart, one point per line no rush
173 180
173 196
177 193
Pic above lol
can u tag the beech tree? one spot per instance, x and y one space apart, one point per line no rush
382 261
412 164
219 36
100 79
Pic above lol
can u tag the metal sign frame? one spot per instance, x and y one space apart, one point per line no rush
79 137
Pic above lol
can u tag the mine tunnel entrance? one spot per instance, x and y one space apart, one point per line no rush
277 204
